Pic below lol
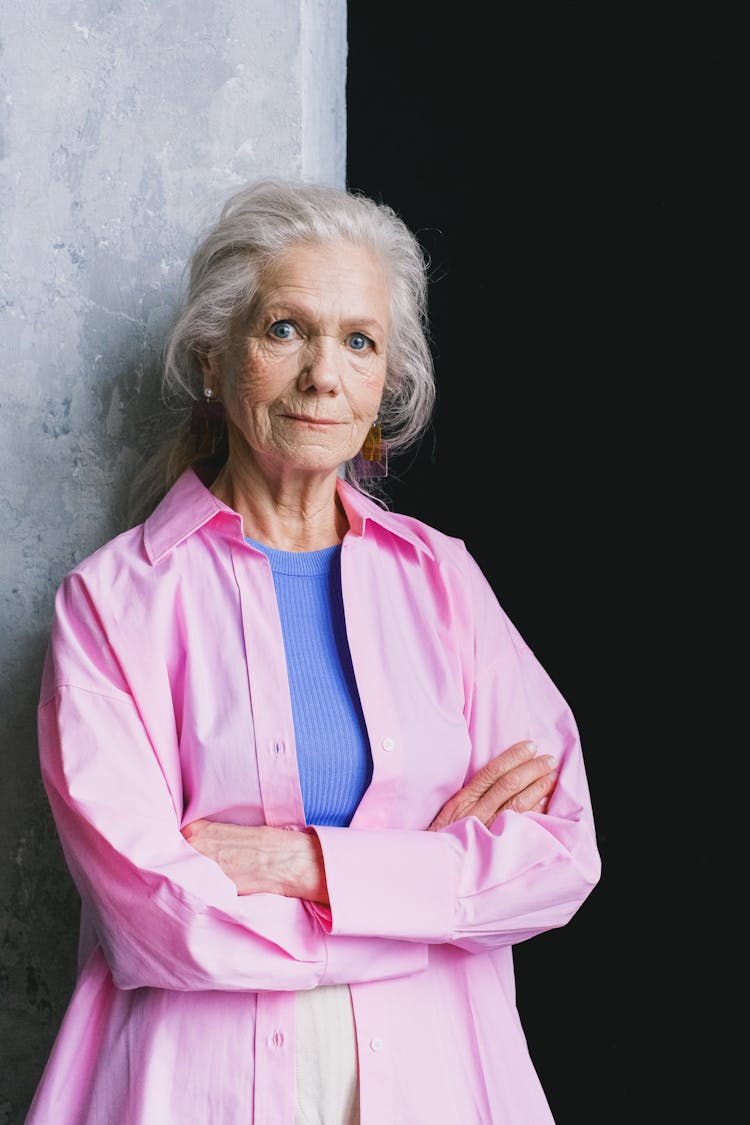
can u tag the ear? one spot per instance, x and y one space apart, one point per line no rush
211 367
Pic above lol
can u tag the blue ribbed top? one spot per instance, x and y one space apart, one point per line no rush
333 751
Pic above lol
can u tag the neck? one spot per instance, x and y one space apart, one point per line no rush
300 515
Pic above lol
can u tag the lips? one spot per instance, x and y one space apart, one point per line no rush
312 421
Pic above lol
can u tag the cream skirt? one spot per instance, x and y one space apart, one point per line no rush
325 1058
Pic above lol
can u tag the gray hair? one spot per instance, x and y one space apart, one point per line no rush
257 224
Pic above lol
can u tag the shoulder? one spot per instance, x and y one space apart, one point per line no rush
105 566
397 531
427 559
435 548
144 554
445 549
101 594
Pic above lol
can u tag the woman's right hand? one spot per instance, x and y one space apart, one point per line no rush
516 779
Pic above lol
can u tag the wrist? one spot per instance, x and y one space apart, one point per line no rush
314 876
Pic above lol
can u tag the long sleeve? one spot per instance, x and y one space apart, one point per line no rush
165 915
475 887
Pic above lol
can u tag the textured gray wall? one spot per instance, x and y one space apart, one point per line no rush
123 125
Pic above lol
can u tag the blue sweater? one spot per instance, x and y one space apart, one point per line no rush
333 752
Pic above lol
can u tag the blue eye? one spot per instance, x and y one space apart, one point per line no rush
359 342
282 330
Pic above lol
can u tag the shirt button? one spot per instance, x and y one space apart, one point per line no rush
277 1039
376 1043
278 748
387 743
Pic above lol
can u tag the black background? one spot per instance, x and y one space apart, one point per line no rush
540 155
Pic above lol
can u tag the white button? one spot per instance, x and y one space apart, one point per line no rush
376 1043
277 1039
387 743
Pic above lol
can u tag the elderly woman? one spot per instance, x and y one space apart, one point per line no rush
310 782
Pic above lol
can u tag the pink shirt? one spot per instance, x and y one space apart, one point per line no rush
164 699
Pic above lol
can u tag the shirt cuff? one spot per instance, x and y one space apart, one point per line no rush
390 883
358 960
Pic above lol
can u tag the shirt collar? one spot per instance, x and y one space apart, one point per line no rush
361 509
189 506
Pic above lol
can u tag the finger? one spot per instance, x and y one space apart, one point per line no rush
199 832
507 790
510 759
503 766
192 829
533 795
451 811
519 800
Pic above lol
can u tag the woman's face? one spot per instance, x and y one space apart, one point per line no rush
302 380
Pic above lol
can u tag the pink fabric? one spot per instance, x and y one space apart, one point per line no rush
164 699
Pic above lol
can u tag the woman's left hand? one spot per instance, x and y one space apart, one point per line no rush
259 859
518 780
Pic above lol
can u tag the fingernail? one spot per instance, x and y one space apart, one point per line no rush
551 762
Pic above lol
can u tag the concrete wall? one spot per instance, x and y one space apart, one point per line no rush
123 125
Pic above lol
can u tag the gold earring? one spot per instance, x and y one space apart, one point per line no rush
372 460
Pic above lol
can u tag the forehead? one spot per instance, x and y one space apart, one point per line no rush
343 275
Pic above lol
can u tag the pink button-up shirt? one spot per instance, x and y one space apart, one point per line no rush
165 699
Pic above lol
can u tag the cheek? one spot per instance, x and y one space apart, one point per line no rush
250 378
372 403
371 394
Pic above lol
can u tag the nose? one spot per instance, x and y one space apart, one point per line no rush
322 366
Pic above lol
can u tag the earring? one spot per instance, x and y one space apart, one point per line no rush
207 422
372 459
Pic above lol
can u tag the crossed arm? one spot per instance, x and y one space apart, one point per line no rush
265 859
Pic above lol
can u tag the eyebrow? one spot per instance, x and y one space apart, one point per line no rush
289 309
